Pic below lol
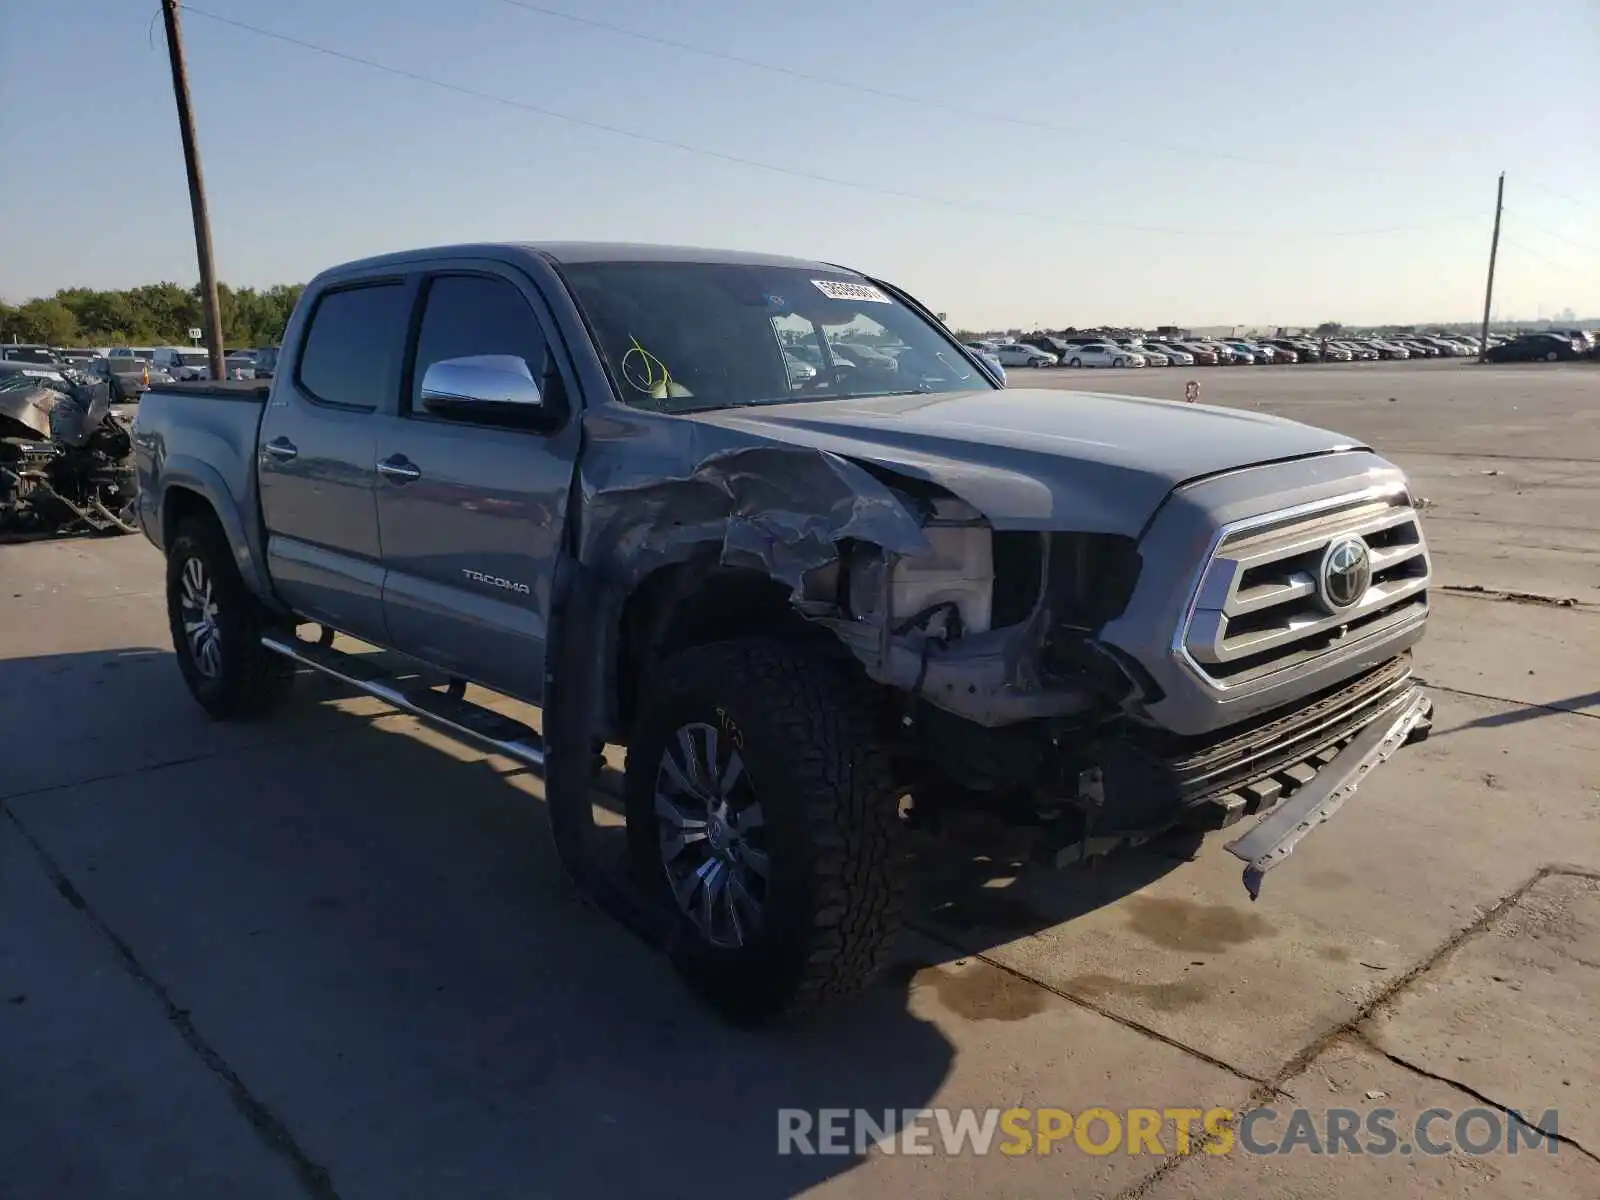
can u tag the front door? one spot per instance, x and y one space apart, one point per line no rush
471 506
316 455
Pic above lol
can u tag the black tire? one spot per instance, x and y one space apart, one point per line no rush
1119 362
829 824
243 679
1077 362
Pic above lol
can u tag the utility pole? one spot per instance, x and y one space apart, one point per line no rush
1494 248
197 191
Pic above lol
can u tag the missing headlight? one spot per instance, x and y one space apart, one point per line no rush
959 574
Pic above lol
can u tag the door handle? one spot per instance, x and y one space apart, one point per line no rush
281 448
399 468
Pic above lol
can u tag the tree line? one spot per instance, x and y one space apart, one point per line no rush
156 314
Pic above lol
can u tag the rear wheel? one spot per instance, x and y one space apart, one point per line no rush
217 625
1551 356
761 812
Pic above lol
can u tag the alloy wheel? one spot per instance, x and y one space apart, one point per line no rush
198 604
712 835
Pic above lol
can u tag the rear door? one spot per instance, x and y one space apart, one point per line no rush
471 508
317 455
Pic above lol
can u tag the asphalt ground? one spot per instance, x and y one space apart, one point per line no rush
332 954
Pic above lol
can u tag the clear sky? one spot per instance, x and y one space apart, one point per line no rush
1144 162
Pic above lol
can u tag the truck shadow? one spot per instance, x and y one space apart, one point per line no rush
369 924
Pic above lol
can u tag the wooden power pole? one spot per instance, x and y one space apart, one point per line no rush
197 191
1494 247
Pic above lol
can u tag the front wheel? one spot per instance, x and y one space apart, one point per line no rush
1119 362
761 812
217 625
1077 362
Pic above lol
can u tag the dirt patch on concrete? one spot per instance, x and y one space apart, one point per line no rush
1186 925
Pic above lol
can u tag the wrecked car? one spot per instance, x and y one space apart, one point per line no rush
66 459
813 607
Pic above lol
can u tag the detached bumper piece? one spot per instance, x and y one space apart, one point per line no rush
1274 836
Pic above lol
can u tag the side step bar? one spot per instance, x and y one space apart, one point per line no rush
446 709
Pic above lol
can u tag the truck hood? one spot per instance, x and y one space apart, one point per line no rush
1040 458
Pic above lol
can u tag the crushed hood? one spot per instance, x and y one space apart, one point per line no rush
1040 458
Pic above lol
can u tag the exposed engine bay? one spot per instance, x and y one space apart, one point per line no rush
1006 700
66 459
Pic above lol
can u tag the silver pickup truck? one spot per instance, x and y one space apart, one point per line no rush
814 604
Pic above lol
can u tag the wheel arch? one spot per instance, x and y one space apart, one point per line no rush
694 603
193 489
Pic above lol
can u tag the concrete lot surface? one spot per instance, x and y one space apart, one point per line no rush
333 955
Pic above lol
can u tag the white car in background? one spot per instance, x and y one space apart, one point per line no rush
800 371
1103 354
1175 356
1152 357
985 351
1015 354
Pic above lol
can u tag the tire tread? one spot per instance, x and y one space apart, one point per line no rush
840 775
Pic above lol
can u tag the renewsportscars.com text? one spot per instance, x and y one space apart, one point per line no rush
1161 1131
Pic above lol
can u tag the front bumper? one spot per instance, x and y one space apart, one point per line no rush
1274 837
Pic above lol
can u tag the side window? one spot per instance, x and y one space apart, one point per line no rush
467 316
352 349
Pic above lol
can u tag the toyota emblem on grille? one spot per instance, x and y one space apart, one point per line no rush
1346 573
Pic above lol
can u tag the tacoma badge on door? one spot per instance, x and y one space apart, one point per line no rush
510 585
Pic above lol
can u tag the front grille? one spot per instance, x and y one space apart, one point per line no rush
1216 778
1282 744
1261 606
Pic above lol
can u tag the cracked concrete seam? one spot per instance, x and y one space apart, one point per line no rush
184 760
1507 700
1362 1038
1298 1063
314 1178
1478 591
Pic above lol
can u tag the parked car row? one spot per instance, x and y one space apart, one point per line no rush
187 364
130 371
1117 350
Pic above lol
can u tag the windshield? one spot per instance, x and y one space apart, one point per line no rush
681 337
25 380
30 354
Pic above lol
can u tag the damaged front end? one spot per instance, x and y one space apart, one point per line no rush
66 462
998 693
1029 713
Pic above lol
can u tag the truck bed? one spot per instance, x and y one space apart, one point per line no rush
186 439
253 390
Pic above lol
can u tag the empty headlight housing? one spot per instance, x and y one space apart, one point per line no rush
958 574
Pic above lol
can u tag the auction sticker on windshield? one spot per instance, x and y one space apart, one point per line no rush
839 289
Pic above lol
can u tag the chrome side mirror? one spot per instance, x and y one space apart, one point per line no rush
482 385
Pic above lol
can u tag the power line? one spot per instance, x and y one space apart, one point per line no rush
862 88
1539 187
1547 231
778 168
1549 262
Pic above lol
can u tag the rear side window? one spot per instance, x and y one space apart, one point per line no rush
352 348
